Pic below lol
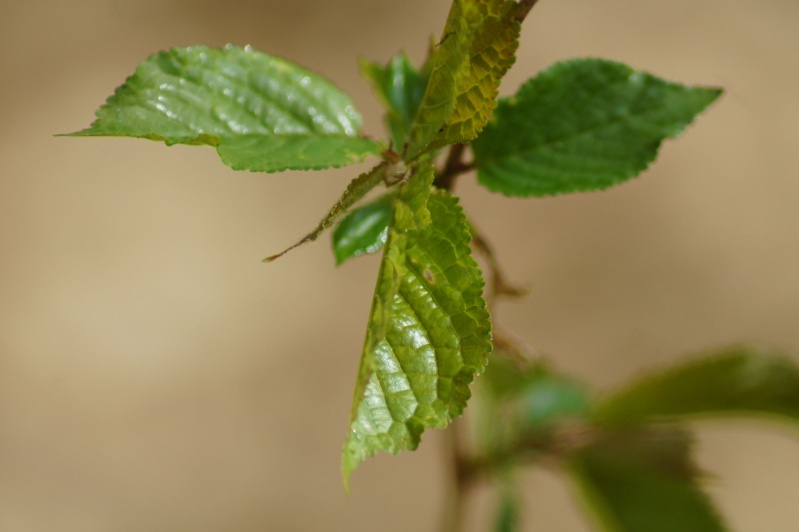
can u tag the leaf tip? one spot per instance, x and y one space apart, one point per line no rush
350 460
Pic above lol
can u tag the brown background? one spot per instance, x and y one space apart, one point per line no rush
154 375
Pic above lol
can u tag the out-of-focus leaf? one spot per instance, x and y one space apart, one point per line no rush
429 330
582 125
550 399
542 397
400 87
505 378
262 113
364 230
643 480
739 381
477 49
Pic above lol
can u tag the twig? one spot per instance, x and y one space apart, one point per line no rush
453 168
500 286
546 449
516 350
462 476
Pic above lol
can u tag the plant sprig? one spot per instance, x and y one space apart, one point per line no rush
580 125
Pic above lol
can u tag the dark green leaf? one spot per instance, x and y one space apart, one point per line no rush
429 330
400 87
364 230
582 125
477 49
643 481
736 381
263 113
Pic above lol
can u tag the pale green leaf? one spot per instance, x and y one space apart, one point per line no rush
582 125
477 49
262 112
364 230
643 480
737 381
428 332
400 87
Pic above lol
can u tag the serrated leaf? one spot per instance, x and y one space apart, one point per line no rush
477 49
643 481
582 125
400 87
270 153
428 332
736 381
356 189
364 230
262 113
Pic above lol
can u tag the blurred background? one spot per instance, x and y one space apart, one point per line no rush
154 375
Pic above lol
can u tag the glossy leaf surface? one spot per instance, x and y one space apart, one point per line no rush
477 48
643 481
736 381
263 113
428 332
364 230
400 87
582 125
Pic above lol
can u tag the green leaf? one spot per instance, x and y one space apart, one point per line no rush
543 397
505 378
582 125
400 87
477 49
428 332
356 189
263 113
270 153
643 481
735 381
364 230
550 399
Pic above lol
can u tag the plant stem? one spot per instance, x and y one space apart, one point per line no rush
453 168
461 478
466 469
499 283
